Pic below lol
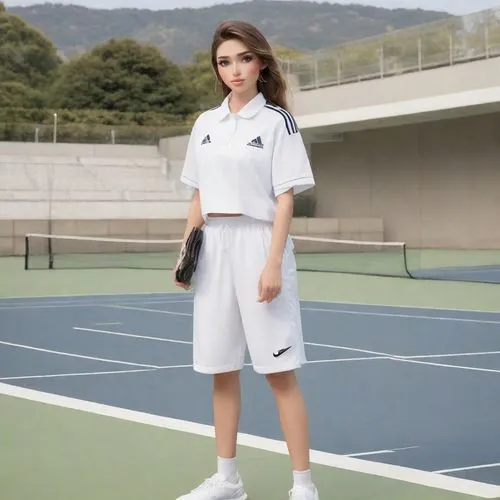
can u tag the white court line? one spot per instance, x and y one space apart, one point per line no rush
69 304
404 360
399 306
339 360
378 354
174 366
161 311
423 478
181 294
50 306
381 452
163 339
83 374
354 349
175 341
473 467
444 365
335 311
108 332
83 295
72 355
94 300
78 374
77 303
452 355
409 359
394 315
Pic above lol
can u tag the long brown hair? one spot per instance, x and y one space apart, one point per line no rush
271 82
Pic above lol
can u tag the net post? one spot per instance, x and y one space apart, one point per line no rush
51 256
26 252
405 259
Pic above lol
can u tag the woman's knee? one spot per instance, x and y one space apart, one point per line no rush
282 381
227 380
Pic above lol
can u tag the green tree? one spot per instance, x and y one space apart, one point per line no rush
26 56
19 95
124 75
202 80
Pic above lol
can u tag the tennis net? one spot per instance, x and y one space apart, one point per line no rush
376 258
44 251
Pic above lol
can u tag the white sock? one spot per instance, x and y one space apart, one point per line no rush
227 467
302 478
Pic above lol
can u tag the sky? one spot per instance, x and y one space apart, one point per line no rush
458 7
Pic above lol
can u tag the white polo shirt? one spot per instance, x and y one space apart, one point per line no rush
241 162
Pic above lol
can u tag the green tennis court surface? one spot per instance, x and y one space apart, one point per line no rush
147 433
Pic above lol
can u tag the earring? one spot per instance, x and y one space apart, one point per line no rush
261 79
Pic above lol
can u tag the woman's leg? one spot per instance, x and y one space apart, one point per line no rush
293 417
294 423
226 484
227 410
274 337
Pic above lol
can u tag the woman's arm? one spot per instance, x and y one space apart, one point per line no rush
194 218
270 281
281 227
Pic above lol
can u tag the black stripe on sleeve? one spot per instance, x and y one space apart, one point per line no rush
290 122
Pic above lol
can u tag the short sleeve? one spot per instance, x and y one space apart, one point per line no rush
189 174
290 165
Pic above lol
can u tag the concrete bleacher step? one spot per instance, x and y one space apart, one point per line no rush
135 162
78 210
40 160
15 182
142 163
79 187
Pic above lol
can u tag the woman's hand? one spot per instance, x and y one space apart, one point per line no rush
177 283
270 279
194 219
269 282
181 285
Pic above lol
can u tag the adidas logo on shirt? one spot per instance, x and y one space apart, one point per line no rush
256 143
206 140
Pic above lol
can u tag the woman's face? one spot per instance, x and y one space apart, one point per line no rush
238 68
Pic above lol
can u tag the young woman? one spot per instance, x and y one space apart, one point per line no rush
246 160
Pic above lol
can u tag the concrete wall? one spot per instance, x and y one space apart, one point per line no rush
434 185
441 81
174 148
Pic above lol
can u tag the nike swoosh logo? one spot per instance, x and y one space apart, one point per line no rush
281 351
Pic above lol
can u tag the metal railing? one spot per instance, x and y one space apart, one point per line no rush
90 133
447 42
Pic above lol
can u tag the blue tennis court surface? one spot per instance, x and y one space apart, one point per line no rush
479 274
407 386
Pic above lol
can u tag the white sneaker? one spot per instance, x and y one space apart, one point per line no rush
217 487
304 493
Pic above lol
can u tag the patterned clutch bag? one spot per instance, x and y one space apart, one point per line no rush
188 259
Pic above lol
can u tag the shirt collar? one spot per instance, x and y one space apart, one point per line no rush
248 111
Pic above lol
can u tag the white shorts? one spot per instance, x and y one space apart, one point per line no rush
227 315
